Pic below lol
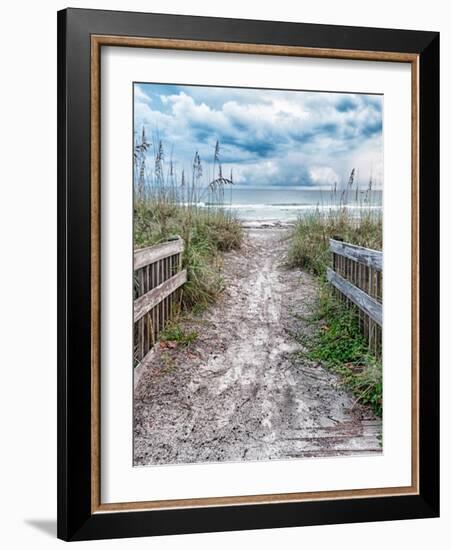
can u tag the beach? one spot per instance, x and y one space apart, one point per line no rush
284 204
243 389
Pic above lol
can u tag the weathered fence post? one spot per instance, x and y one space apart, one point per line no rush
158 276
356 276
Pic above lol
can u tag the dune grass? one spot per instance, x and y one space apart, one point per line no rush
340 346
309 248
338 343
206 232
174 333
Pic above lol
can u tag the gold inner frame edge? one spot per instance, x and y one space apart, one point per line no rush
97 41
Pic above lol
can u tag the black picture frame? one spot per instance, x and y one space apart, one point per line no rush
76 521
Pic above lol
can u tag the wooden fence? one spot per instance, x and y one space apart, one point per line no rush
356 275
158 277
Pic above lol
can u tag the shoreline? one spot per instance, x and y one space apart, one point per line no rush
266 224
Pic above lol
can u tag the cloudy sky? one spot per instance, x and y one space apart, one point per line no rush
269 137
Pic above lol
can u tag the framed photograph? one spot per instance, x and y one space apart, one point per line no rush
248 274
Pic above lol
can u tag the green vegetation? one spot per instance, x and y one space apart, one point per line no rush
207 233
169 203
310 243
175 333
340 346
338 342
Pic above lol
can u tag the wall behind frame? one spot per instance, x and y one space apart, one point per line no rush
28 221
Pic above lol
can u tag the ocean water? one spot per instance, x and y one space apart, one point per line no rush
286 204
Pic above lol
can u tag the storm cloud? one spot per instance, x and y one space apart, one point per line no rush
268 137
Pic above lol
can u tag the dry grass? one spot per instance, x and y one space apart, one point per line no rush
206 234
309 247
338 342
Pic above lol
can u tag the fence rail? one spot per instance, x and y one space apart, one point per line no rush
356 276
158 279
359 254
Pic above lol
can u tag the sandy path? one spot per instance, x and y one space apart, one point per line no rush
241 391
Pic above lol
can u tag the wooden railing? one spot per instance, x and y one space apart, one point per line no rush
356 275
158 278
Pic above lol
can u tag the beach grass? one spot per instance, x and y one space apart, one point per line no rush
207 234
337 341
309 248
340 346
174 333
